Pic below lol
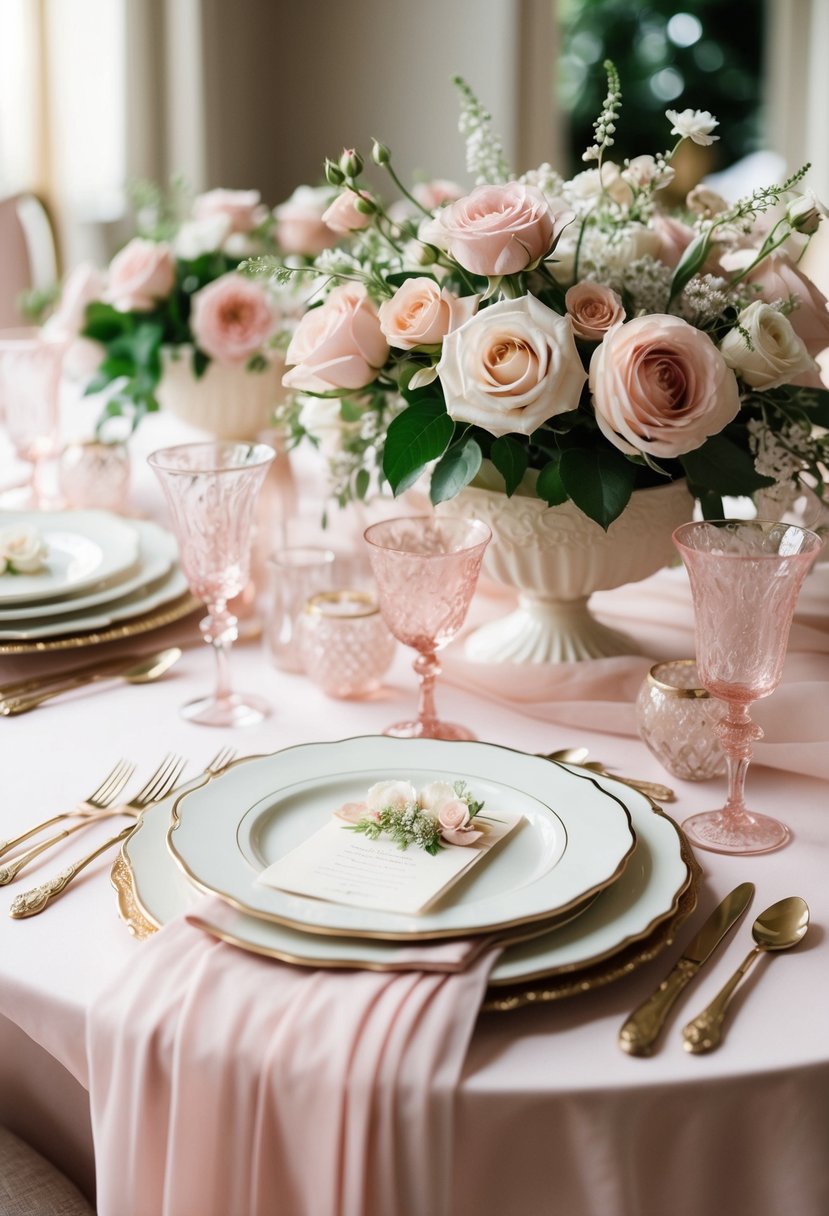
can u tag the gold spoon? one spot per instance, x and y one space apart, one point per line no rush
148 669
782 925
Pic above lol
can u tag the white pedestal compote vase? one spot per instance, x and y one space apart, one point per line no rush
225 401
556 557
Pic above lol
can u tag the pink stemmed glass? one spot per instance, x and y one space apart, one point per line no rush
30 370
745 578
211 491
426 571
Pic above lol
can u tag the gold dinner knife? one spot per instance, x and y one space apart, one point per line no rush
642 1029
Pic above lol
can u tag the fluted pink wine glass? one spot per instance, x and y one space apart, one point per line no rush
31 362
211 490
745 578
426 570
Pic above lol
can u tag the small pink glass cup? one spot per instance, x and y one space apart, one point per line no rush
345 645
426 569
211 491
745 579
31 362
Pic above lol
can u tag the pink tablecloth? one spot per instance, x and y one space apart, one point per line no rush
549 1115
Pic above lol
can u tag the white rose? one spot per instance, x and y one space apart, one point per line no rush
396 794
321 419
433 796
196 237
511 367
773 354
23 548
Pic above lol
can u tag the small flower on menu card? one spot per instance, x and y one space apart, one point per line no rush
22 550
440 813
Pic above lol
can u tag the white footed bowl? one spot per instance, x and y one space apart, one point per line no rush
226 401
556 558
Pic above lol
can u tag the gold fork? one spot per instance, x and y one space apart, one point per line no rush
89 808
159 784
29 903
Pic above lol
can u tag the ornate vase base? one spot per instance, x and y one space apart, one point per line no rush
546 631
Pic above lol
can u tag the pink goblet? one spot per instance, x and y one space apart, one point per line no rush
745 577
30 370
211 491
426 571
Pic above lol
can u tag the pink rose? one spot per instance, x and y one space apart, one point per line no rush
499 230
421 313
140 275
593 309
436 193
674 239
231 318
242 209
338 345
352 812
343 216
660 386
300 228
454 821
511 367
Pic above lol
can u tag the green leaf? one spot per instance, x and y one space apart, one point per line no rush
103 322
400 276
454 470
599 481
549 486
350 410
510 459
690 262
200 362
361 483
416 436
724 467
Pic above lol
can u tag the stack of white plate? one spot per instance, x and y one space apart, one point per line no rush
105 577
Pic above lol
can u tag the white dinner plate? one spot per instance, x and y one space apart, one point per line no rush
153 891
157 550
85 549
169 587
573 840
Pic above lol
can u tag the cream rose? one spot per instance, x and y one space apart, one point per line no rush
660 386
499 230
763 348
197 237
511 367
343 216
396 794
231 319
140 275
321 419
242 209
300 228
338 345
22 548
593 309
435 794
421 313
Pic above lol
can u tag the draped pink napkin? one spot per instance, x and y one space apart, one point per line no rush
224 1084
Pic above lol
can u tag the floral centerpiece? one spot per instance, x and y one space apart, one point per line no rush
572 333
172 309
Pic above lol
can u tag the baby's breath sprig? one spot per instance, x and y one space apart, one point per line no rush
604 127
484 149
405 825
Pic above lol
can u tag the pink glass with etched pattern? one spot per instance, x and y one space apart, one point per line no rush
426 570
745 579
211 490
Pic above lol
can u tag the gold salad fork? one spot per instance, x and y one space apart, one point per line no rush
95 806
29 903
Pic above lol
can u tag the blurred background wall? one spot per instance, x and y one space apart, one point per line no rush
255 93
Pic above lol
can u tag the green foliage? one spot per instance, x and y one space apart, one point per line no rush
511 461
418 435
455 469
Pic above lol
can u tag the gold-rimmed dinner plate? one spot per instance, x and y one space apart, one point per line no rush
631 921
84 549
146 622
573 838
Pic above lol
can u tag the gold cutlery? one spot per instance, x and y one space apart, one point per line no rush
30 903
779 927
158 785
147 669
640 1032
577 756
36 683
90 808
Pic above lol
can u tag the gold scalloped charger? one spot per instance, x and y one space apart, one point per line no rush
145 622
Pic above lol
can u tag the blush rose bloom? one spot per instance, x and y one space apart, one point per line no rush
231 319
338 345
242 209
455 824
593 309
300 228
343 216
660 386
511 367
499 230
776 355
421 313
140 275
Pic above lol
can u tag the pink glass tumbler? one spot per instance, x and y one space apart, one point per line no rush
426 571
211 491
745 578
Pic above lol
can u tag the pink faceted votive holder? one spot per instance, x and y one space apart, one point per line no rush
345 645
